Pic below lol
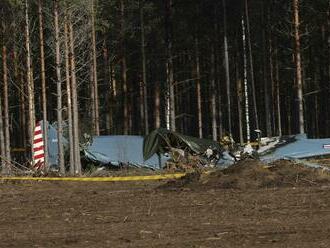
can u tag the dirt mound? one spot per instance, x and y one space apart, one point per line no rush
253 174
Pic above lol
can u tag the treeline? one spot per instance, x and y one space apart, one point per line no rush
203 68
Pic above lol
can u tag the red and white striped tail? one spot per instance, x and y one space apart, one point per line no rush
38 148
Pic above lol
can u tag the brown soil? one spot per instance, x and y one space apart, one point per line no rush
253 174
91 214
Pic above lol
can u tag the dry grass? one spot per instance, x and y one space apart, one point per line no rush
253 174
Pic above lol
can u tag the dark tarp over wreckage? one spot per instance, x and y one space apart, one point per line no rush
161 140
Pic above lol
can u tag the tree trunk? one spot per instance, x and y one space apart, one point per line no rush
297 57
157 105
172 95
20 133
170 73
278 100
95 83
327 61
113 96
43 83
248 38
58 91
124 81
213 97
226 58
239 93
167 110
130 113
316 72
198 91
92 97
239 108
2 142
265 74
69 95
124 66
328 25
144 72
220 114
22 102
75 107
107 82
246 93
29 78
141 107
6 108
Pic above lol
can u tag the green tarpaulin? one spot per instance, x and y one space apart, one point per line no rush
161 140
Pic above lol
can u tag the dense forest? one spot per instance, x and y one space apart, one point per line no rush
205 68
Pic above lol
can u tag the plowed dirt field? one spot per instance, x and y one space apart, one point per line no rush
147 214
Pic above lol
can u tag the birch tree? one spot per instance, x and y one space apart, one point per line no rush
226 62
246 93
248 39
169 66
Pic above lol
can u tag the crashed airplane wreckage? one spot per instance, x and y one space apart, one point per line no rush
294 147
163 147
155 151
118 150
182 148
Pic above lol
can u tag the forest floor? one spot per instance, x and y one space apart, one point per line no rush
249 205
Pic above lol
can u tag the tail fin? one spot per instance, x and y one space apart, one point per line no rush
38 148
